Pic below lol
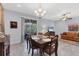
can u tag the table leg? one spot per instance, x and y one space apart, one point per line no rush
41 52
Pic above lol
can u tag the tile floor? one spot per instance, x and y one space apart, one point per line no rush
65 48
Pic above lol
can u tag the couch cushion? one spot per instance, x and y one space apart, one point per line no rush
70 34
64 33
78 34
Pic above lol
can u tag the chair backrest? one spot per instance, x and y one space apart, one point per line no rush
29 39
54 43
52 46
54 40
31 42
26 37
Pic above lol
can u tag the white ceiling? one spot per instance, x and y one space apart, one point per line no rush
54 10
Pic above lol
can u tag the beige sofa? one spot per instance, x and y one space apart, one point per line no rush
74 36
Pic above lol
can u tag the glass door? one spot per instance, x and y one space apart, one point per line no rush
31 27
34 27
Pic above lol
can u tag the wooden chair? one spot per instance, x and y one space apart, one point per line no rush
52 46
31 46
27 40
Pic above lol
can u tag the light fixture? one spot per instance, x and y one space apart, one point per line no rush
66 16
64 19
40 12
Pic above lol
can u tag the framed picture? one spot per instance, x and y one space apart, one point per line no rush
13 24
73 27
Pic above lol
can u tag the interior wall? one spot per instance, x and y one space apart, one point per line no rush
1 18
15 34
43 23
62 26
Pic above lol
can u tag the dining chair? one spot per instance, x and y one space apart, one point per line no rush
31 46
52 46
28 43
27 39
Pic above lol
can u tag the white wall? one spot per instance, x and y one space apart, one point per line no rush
15 34
44 23
62 26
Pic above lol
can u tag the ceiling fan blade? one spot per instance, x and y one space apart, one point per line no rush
69 18
66 13
65 16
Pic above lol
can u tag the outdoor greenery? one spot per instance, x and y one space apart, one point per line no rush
31 27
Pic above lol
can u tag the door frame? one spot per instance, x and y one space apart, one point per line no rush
23 27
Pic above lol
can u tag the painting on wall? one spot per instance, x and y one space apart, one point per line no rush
73 27
13 24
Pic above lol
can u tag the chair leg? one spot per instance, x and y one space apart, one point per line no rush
49 54
27 44
29 47
56 49
32 51
29 51
56 54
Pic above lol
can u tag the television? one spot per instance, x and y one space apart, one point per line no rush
50 29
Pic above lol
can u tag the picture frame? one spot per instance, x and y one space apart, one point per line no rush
73 27
13 24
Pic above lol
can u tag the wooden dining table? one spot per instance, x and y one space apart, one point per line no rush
40 43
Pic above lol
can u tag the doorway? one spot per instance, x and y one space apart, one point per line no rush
28 26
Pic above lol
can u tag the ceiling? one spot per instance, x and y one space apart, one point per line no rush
54 10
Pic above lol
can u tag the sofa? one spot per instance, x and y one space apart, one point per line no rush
74 36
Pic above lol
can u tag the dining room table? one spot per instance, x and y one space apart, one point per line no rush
40 42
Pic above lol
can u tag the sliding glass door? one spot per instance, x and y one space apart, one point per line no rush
31 27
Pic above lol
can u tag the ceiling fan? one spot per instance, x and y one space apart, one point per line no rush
65 16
